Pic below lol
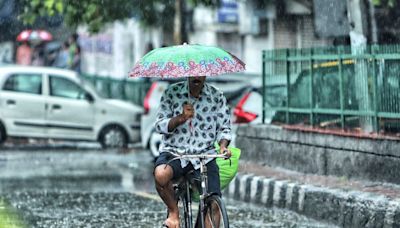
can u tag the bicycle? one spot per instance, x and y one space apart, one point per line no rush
211 206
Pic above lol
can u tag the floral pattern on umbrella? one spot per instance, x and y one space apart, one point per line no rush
185 61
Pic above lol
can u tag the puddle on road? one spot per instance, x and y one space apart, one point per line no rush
77 209
104 202
97 189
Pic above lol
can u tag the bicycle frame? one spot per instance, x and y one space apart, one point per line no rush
204 187
187 183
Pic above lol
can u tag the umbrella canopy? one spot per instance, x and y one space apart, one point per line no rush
34 35
186 61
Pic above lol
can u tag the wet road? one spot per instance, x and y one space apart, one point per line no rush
83 186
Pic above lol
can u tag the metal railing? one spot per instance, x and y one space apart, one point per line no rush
335 87
123 89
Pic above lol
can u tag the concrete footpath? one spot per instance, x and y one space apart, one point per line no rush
335 200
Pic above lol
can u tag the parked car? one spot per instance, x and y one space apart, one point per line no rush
234 86
43 102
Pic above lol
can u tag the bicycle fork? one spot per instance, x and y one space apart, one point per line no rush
203 174
188 210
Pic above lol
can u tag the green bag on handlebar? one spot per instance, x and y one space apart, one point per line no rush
227 170
228 167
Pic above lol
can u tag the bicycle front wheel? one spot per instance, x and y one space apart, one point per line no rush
215 213
185 214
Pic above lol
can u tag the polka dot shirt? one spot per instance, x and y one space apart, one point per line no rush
210 124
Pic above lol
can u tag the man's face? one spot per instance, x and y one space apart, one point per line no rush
196 82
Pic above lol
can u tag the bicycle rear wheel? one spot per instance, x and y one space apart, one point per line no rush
215 213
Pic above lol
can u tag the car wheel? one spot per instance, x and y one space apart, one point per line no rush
154 144
113 137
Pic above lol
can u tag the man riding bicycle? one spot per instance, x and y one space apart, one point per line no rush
193 115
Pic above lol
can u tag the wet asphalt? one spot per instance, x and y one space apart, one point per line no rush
81 185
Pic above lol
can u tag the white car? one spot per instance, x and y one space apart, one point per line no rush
43 102
235 87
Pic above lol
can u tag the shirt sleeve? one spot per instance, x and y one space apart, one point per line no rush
164 113
223 120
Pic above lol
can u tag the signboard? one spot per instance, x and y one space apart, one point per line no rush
6 52
228 12
100 44
6 9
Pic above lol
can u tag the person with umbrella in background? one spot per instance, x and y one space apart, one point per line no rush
32 56
192 114
24 54
38 57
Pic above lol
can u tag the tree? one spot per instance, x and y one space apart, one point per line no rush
388 20
93 13
387 3
96 13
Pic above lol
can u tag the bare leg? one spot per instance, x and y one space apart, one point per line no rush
163 175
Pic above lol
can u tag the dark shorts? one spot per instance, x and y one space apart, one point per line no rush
212 171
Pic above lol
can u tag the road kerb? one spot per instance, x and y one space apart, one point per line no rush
335 206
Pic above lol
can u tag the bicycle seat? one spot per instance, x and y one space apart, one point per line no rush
192 177
188 176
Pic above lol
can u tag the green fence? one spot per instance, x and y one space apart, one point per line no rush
123 89
335 87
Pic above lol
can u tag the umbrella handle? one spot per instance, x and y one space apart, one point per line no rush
190 126
188 89
190 120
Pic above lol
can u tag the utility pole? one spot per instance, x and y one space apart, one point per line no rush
374 28
178 22
358 37
180 32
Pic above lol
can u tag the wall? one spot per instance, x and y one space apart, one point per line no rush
324 154
203 20
293 29
115 50
308 36
285 33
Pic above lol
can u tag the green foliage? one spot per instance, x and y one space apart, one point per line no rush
385 3
96 13
93 13
205 2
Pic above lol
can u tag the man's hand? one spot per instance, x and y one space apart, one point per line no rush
188 111
223 149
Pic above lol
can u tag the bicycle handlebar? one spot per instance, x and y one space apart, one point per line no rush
199 156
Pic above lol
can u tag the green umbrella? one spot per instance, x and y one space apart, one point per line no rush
187 61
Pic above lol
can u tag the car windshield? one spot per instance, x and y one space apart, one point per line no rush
89 87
